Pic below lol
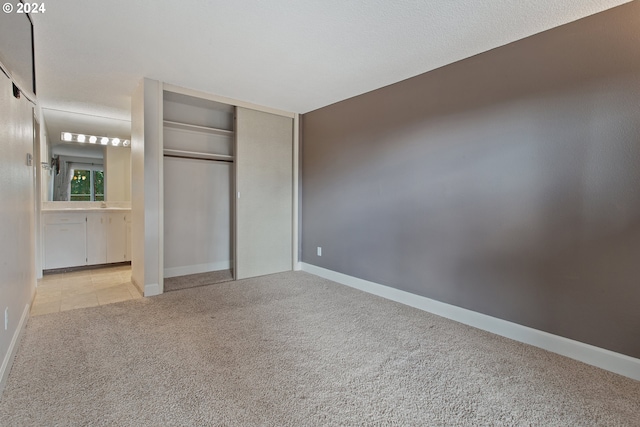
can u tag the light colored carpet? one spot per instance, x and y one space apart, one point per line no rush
195 280
292 349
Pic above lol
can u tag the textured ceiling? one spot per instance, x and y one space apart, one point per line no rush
292 55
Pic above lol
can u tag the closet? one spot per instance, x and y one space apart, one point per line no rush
199 181
213 186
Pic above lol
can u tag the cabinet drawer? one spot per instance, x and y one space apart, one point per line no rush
64 218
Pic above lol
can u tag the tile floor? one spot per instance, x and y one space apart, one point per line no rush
85 288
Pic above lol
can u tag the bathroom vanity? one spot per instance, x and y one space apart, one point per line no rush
90 233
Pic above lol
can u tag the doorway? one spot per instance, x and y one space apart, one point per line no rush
83 288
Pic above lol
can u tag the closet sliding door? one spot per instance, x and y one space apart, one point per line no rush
264 185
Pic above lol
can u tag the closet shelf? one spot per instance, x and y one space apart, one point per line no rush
197 128
197 155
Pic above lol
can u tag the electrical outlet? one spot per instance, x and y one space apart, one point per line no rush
6 318
319 251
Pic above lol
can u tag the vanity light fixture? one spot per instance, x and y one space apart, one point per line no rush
104 140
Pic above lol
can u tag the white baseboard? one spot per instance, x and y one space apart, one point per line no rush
592 355
152 289
195 269
13 348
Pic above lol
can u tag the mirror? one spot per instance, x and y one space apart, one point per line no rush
88 171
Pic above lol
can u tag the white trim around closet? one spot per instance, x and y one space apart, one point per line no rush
296 171
224 100
157 289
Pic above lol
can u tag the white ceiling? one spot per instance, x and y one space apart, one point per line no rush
293 55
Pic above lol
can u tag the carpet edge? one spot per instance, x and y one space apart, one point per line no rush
596 356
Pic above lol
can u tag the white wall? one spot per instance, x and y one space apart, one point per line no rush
46 177
117 169
17 222
42 177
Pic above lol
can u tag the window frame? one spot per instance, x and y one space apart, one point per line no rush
92 168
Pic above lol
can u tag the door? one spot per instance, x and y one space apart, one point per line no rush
127 221
96 238
116 237
264 186
65 241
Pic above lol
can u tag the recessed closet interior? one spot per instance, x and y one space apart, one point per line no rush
199 181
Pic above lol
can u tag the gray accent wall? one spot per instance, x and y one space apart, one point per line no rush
507 183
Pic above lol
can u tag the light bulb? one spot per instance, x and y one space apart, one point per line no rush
104 140
126 143
81 138
116 141
67 136
93 139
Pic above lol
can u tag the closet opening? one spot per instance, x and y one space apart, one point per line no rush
199 185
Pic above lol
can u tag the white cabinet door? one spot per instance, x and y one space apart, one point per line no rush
65 241
127 256
116 237
96 238
264 181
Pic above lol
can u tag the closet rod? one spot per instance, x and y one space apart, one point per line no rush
199 156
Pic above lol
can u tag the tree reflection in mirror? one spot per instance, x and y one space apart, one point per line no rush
87 185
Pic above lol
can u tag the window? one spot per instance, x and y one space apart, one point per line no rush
87 185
